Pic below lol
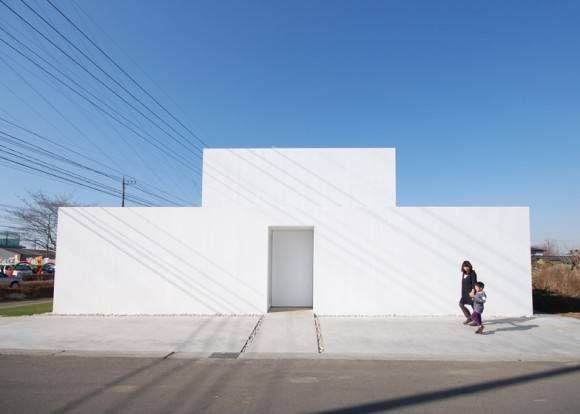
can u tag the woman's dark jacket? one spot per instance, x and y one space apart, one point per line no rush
467 285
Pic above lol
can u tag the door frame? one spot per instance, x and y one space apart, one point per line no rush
271 230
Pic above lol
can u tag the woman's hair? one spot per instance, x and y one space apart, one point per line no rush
466 263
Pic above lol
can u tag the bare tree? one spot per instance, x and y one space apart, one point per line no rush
574 258
550 248
36 219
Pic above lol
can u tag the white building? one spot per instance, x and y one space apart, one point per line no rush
291 227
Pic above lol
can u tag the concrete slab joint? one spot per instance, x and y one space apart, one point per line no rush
319 339
252 334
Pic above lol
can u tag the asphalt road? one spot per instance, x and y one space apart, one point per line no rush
67 384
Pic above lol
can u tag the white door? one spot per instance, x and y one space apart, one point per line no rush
292 259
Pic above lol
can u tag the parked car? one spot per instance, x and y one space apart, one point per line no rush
11 282
22 270
48 268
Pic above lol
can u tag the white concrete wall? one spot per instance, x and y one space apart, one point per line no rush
367 261
160 261
299 177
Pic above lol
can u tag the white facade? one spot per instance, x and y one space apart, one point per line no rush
299 177
238 256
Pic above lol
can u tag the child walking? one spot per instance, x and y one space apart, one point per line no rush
479 298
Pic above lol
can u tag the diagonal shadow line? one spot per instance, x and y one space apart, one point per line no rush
136 258
132 245
428 397
347 250
368 211
138 248
329 228
124 404
220 382
476 241
73 405
366 207
292 176
259 168
178 258
319 177
452 244
201 256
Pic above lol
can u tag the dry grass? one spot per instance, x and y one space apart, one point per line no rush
556 288
557 279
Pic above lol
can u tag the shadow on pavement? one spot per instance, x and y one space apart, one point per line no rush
424 398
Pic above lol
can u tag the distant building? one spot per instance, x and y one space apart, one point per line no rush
537 251
9 239
12 255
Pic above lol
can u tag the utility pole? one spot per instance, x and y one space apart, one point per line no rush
126 182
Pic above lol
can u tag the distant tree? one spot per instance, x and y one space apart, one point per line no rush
550 247
36 219
574 258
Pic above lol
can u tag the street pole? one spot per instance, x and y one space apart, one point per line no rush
123 193
125 183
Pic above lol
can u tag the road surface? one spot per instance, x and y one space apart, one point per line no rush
66 384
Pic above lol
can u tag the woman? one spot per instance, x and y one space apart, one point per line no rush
468 281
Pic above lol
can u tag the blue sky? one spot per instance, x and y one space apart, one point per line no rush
481 99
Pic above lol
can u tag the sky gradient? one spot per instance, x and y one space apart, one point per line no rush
480 99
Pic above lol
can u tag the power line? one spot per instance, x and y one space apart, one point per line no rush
90 73
11 139
101 70
66 179
127 74
133 130
135 150
82 88
39 162
37 149
48 102
86 157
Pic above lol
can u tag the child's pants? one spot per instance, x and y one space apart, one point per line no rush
476 317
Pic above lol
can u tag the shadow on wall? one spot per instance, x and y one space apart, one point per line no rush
505 271
458 233
363 254
209 278
131 247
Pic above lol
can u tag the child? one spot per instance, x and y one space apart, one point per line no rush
479 298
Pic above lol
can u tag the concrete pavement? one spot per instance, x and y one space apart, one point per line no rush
292 334
541 338
154 336
59 385
285 331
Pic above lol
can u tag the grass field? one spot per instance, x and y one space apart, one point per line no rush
27 309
